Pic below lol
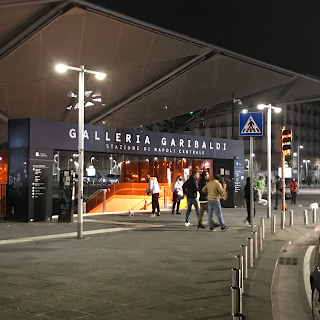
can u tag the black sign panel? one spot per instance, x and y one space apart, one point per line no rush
17 187
64 136
40 183
65 196
238 182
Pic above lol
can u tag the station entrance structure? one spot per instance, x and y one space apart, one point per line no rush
34 145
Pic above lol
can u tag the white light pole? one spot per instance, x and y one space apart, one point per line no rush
298 166
306 162
100 76
277 110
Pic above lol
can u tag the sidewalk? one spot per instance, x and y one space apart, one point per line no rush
133 268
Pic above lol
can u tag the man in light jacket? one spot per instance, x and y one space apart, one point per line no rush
154 189
215 191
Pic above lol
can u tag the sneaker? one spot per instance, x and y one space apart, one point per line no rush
213 229
248 223
158 214
225 228
152 215
187 224
275 208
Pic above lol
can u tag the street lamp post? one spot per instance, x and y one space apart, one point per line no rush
306 162
100 76
277 110
298 166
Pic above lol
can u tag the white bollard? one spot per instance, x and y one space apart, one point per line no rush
245 260
291 217
263 228
314 211
254 236
250 252
236 305
259 238
305 216
239 265
283 218
273 223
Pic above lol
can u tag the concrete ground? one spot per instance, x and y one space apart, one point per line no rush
136 267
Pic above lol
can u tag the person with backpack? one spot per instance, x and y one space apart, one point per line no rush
190 188
293 188
177 193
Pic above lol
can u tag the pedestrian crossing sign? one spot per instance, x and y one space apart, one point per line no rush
251 124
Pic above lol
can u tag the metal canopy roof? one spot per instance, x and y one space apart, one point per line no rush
152 74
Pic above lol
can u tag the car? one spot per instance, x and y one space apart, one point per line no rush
315 284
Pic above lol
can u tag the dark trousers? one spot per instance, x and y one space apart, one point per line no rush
248 210
278 196
293 197
155 202
176 202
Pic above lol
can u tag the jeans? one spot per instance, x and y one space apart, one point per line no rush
203 208
190 202
215 206
155 203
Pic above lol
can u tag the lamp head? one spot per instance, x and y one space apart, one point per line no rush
100 75
277 110
61 68
261 106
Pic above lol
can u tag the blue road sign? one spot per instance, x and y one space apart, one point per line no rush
251 124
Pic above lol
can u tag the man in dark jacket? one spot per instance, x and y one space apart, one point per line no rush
203 199
247 193
278 191
190 188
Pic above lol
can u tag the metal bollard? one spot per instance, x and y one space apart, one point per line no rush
273 223
165 198
314 211
263 228
254 236
305 216
238 316
145 205
250 252
235 277
104 200
239 265
84 207
245 260
236 304
283 218
259 238
291 218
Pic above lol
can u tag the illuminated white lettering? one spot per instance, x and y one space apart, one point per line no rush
138 138
73 133
204 146
181 143
196 144
128 137
118 137
164 141
147 140
224 146
210 145
96 135
85 134
218 146
189 143
173 142
107 136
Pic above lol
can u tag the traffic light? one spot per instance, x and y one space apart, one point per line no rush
286 138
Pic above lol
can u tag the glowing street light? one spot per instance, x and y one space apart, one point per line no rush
99 75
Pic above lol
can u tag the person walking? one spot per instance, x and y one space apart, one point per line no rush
247 194
177 193
190 188
215 191
154 189
203 199
293 188
260 187
278 191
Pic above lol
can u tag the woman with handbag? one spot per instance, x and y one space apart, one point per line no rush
177 193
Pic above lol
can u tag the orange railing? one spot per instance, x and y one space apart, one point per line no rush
130 190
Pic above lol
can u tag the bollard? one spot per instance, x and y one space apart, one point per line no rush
245 260
145 205
235 277
263 228
314 211
238 316
259 238
239 265
104 200
273 223
283 218
250 253
84 207
165 198
254 236
291 217
305 216
236 298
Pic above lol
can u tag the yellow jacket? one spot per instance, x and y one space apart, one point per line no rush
214 190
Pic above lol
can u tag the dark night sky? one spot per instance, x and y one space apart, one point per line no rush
280 32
